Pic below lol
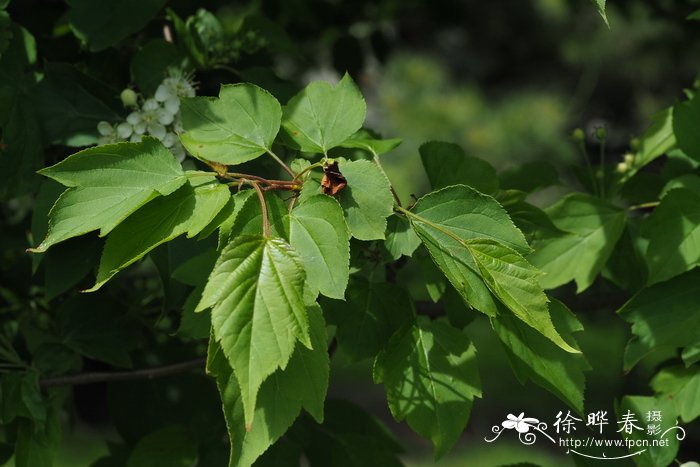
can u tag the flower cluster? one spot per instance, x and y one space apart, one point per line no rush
157 116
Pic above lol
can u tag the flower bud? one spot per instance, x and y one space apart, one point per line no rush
128 97
578 135
601 133
621 168
629 159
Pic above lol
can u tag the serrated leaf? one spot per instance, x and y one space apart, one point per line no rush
681 386
673 230
256 294
303 383
600 6
639 407
472 240
366 141
366 200
685 126
317 231
107 184
246 218
188 210
431 378
593 228
238 126
322 117
535 358
663 316
370 315
446 165
401 240
172 446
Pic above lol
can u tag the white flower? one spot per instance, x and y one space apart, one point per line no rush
124 130
156 130
522 425
105 129
165 117
134 118
172 104
150 105
169 140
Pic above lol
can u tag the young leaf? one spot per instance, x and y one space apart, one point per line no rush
258 312
673 230
663 316
446 165
322 117
370 315
538 359
236 127
189 210
303 383
172 445
317 230
600 6
366 200
400 237
431 379
681 386
106 184
593 228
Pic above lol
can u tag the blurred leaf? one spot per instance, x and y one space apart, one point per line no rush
672 230
367 318
67 263
238 126
663 316
685 118
687 181
657 140
36 444
21 150
593 227
364 139
535 358
600 6
150 64
171 446
101 199
446 164
322 117
638 407
70 106
105 23
366 200
681 387
431 378
529 177
21 397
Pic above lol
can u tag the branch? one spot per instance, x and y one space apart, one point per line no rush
111 376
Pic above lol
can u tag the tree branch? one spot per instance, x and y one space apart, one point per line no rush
111 376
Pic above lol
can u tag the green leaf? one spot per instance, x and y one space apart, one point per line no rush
258 312
431 378
66 264
107 184
366 200
593 226
600 6
189 209
303 383
685 126
238 126
322 117
21 397
694 15
530 177
367 141
656 141
171 446
370 315
673 230
246 218
533 221
663 316
400 237
535 358
150 64
36 444
317 231
639 407
106 23
21 153
681 386
71 104
446 164
473 242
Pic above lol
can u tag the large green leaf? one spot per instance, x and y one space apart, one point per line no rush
189 209
258 312
663 316
367 141
317 230
371 313
172 446
322 117
685 126
656 141
593 226
638 407
366 200
107 184
400 237
431 378
236 127
673 230
446 164
302 383
681 386
535 358
105 23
